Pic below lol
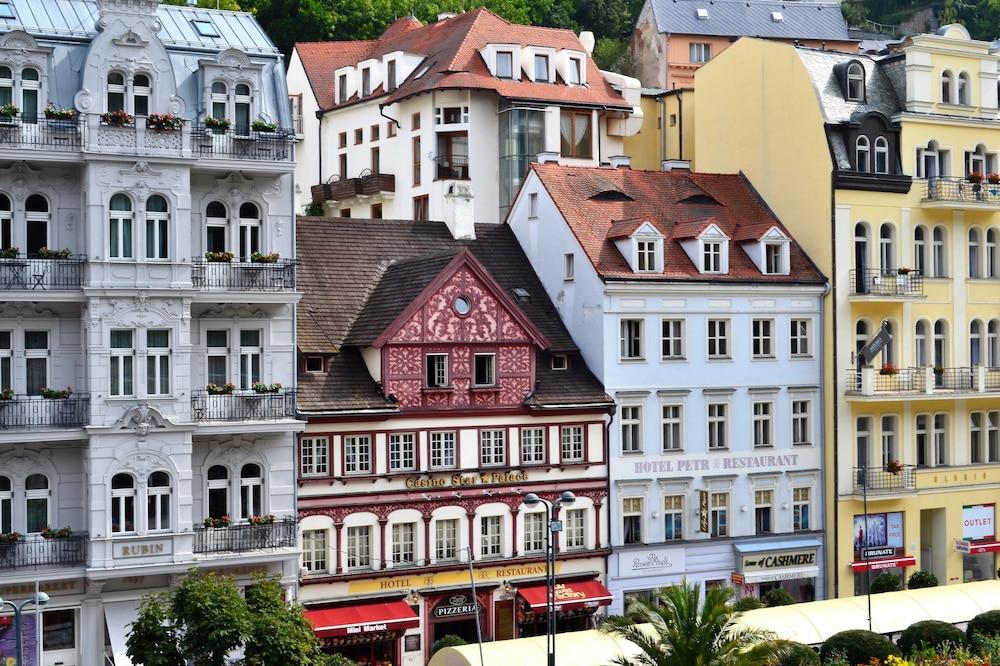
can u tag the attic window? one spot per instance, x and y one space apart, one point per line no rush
560 362
314 364
521 295
611 195
505 65
777 17
702 14
462 305
855 82
205 28
6 11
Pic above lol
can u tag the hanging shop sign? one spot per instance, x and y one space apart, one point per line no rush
466 480
978 522
455 605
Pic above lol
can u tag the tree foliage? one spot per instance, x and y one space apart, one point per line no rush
930 633
922 579
859 646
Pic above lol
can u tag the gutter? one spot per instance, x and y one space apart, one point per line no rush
343 412
836 394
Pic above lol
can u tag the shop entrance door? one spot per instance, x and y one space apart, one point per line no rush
503 618
933 549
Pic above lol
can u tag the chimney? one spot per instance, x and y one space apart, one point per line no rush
458 213
444 16
620 161
546 157
675 165
587 41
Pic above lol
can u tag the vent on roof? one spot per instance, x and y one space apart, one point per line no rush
611 195
702 14
205 28
521 295
6 11
700 199
777 17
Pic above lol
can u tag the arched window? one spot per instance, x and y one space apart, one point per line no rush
992 338
862 154
963 89
122 504
241 106
920 249
218 491
249 230
6 506
36 223
940 343
36 502
6 85
973 253
930 161
251 491
975 342
141 91
887 248
220 100
946 83
6 223
991 254
158 502
855 82
31 87
920 344
881 155
120 227
157 228
116 91
938 255
861 335
216 223
975 161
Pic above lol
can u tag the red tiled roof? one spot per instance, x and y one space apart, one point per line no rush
674 202
452 60
692 228
625 228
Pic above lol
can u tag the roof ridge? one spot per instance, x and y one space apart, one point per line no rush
479 11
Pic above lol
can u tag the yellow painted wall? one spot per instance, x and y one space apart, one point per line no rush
645 147
667 130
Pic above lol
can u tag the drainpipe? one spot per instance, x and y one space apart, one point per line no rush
319 142
680 126
835 387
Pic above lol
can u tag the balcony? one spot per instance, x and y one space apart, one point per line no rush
451 168
878 285
243 538
242 406
41 135
242 144
22 273
38 552
366 184
960 193
881 481
243 276
23 412
921 383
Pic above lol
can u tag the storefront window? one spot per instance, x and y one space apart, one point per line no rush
979 542
58 630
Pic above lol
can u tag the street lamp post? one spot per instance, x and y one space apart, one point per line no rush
39 599
532 500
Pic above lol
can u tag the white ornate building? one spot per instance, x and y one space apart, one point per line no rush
105 222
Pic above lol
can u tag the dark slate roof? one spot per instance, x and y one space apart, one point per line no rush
573 386
752 18
346 386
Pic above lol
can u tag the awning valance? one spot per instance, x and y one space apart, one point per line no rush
362 619
884 563
569 596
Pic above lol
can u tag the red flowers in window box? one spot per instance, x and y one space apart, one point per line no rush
261 520
888 369
894 467
217 522
10 537
60 533
119 118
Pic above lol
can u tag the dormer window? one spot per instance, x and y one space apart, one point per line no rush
342 88
774 258
314 364
366 82
862 154
205 28
390 75
777 17
855 82
505 65
881 155
541 68
711 255
451 115
646 255
702 14
6 11
560 361
574 72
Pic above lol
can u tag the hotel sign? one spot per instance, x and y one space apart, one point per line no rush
446 578
738 463
656 562
466 480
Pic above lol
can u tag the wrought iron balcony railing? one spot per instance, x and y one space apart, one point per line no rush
242 406
40 134
961 190
882 480
243 275
922 381
244 537
242 143
31 273
34 551
452 168
31 411
878 283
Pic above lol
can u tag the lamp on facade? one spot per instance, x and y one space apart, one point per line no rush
39 599
413 598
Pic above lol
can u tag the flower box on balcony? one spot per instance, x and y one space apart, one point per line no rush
10 537
217 125
261 520
217 522
56 394
220 389
60 533
888 369
9 253
894 467
164 122
261 258
8 112
221 257
53 112
47 253
7 394
261 387
117 118
263 126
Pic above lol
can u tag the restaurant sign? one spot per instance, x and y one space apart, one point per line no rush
466 480
456 604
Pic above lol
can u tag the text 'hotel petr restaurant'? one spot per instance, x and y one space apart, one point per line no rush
440 387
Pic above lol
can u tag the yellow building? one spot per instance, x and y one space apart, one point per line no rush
882 170
667 133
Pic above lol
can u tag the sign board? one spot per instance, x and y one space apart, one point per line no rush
652 562
416 581
466 480
978 522
963 546
456 604
878 531
734 463
882 551
703 511
143 549
780 560
875 345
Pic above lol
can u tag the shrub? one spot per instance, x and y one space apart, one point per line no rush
922 579
984 624
448 640
337 659
859 646
796 654
932 633
886 582
314 209
747 604
777 597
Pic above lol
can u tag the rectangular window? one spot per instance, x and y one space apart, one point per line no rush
571 443
532 205
672 338
359 547
6 355
711 256
672 428
718 338
631 421
505 65
632 520
157 235
357 454
763 503
534 532
416 159
342 162
699 52
774 258
575 528
718 425
366 82
342 140
437 370
251 355
574 77
376 211
975 438
36 352
763 338
763 426
630 339
801 428
485 370
390 75
376 158
442 449
719 514
120 242
421 208
673 517
575 134
569 267
532 445
390 129
217 342
314 551
121 365
492 447
314 456
646 255
799 337
158 362
541 68
445 540
404 543
491 538
359 135
800 509
415 121
402 451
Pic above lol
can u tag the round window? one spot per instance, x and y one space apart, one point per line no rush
462 305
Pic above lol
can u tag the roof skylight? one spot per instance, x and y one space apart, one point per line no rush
777 17
702 14
6 11
205 28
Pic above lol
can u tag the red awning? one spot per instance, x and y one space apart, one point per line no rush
884 563
977 548
569 596
362 619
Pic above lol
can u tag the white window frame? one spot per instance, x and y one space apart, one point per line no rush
631 339
718 426
443 451
314 456
631 428
158 502
801 506
33 356
718 502
446 539
762 336
251 359
492 447
763 424
571 443
122 366
404 544
118 509
158 365
315 551
402 451
801 422
717 338
358 547
673 512
799 344
358 454
763 498
490 536
699 52
436 364
157 229
534 532
672 338
575 529
569 267
672 427
712 259
491 370
646 255
532 446
632 508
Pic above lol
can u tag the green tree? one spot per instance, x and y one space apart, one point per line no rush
290 21
279 633
691 634
232 5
